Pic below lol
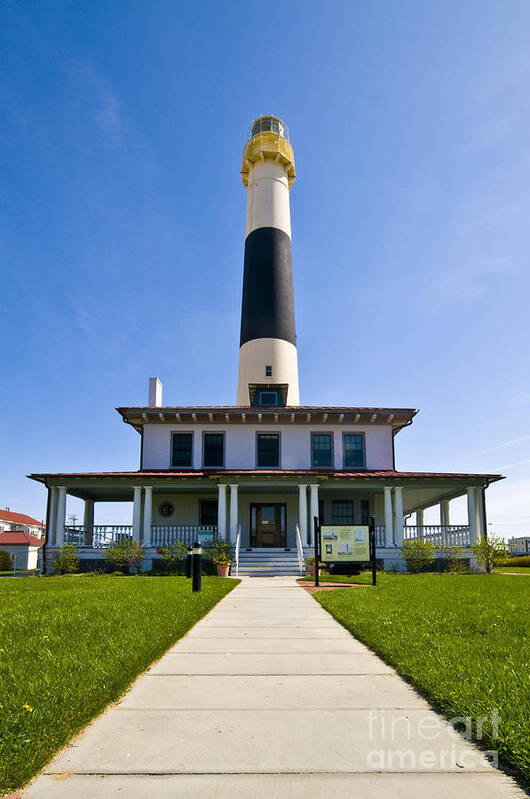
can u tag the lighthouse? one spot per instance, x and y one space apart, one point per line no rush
268 362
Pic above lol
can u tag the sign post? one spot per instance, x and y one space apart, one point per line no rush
317 548
371 527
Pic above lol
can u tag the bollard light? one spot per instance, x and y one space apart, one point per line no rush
196 557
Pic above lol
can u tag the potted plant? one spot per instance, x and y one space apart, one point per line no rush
220 553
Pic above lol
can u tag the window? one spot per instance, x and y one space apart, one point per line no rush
268 449
208 512
365 511
342 511
321 449
213 449
268 371
181 450
268 398
354 450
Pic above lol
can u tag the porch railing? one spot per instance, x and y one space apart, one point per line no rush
100 536
165 535
441 535
300 550
161 535
238 546
380 535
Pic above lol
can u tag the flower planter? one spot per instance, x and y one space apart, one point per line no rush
222 570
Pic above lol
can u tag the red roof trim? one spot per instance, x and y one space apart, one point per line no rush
312 472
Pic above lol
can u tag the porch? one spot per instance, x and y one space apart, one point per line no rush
265 509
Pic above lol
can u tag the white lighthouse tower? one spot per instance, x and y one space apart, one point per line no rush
268 362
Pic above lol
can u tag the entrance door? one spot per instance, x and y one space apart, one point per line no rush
268 526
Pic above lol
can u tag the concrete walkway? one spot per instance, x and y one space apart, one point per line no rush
269 696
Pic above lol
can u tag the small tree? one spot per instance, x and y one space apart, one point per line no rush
417 554
67 561
490 552
5 561
219 551
124 553
173 554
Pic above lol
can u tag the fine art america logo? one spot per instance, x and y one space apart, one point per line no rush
423 741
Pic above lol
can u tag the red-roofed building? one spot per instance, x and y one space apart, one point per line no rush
258 473
22 547
9 520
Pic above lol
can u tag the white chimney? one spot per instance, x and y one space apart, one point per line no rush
155 393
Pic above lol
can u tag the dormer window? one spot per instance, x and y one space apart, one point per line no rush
268 398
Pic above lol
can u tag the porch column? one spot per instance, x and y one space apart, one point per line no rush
52 521
88 521
420 518
302 513
148 514
479 510
389 524
444 513
234 520
61 516
472 514
137 513
221 510
313 502
398 498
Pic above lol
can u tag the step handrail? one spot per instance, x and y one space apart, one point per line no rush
238 545
301 559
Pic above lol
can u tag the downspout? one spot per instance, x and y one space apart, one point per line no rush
46 533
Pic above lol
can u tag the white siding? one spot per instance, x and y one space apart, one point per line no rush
240 444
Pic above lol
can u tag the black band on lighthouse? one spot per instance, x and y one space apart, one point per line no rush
268 300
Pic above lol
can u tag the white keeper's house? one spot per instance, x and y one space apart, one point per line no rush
258 472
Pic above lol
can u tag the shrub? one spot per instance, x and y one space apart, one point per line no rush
453 563
67 561
418 554
518 560
490 552
173 555
5 561
124 553
219 551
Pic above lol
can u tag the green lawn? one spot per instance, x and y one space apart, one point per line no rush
463 641
71 645
365 578
514 569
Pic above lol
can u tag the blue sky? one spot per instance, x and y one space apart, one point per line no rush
122 221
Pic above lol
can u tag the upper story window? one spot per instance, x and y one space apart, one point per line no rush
321 449
213 449
354 450
268 450
268 371
342 511
181 449
268 398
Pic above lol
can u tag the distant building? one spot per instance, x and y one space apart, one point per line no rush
519 546
9 520
23 548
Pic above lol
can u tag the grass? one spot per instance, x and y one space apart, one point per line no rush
365 578
513 569
71 645
463 641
